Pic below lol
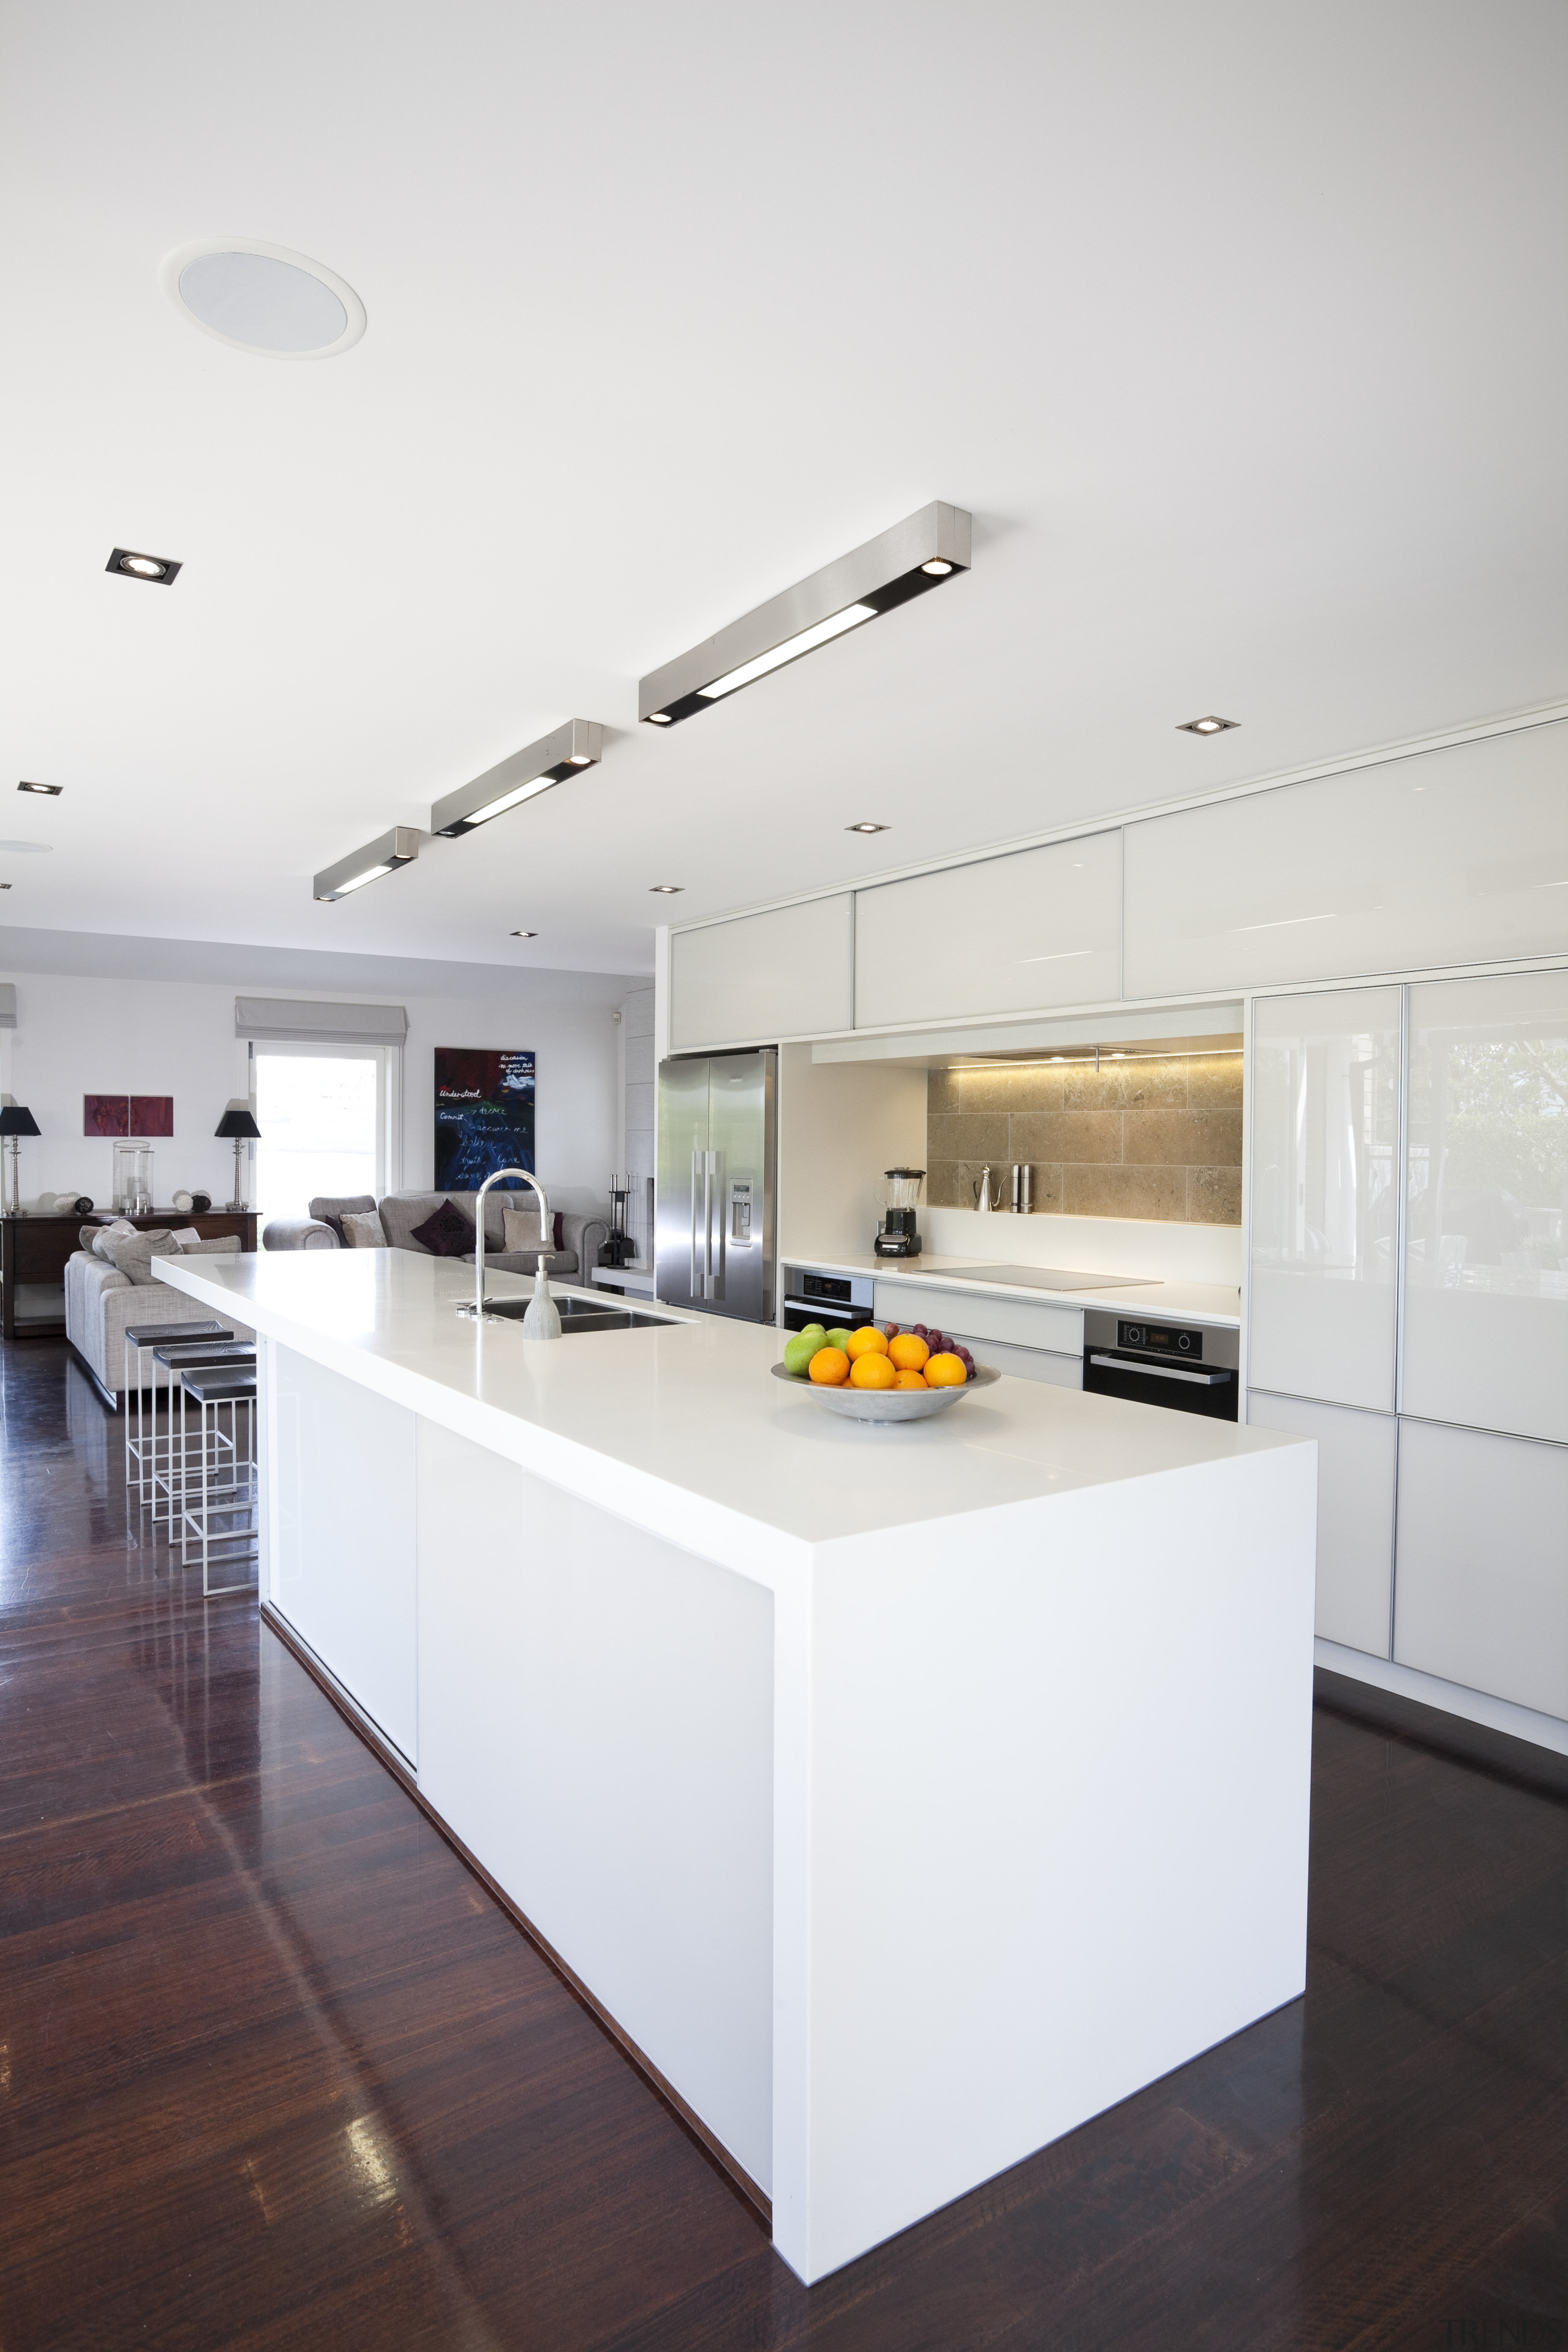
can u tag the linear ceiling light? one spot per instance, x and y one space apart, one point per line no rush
916 554
578 745
398 848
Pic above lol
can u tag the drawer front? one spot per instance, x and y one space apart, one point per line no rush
1017 1320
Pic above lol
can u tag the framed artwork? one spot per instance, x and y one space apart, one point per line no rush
484 1116
106 1114
128 1115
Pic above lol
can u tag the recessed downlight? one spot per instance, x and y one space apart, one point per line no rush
161 569
1208 726
936 570
50 791
666 889
522 935
660 719
263 299
866 826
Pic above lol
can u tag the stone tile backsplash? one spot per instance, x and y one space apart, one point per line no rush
1147 1136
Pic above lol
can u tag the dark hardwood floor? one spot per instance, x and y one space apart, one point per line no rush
276 2072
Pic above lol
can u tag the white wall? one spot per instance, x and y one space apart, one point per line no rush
101 1034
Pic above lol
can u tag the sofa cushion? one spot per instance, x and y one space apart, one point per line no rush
363 1232
331 1208
401 1212
522 1231
133 1254
92 1237
447 1233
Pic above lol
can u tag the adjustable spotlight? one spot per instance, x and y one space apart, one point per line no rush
916 554
161 569
398 848
578 745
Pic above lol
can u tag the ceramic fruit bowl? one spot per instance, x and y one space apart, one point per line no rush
886 1404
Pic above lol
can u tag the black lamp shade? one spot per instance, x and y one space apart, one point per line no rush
233 1125
15 1119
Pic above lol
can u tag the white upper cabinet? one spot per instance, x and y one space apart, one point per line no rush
1446 858
1007 935
787 974
1325 1118
1486 1273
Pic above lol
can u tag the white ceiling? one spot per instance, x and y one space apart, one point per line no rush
1239 329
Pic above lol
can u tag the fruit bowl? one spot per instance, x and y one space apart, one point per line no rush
887 1404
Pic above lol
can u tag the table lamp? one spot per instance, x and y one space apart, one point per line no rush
15 1120
238 1126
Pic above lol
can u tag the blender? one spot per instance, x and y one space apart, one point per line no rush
898 1195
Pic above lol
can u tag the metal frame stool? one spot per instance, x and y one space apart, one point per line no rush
175 1471
235 1500
141 1440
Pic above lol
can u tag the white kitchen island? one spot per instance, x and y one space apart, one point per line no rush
905 1795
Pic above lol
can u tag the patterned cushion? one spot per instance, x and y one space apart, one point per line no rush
363 1232
447 1233
133 1252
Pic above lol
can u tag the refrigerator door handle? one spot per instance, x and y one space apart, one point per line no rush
709 1163
696 1158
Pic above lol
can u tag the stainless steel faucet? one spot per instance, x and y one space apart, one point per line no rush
542 1320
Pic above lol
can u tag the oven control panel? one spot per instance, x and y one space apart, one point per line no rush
1160 1339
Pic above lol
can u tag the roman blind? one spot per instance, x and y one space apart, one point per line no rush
297 1018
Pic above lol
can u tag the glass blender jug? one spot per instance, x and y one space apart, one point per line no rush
898 1195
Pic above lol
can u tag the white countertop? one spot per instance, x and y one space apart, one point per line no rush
680 1429
1183 1302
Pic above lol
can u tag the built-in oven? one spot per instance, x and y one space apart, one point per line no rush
841 1301
1187 1367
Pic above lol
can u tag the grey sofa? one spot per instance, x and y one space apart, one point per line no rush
581 1235
100 1301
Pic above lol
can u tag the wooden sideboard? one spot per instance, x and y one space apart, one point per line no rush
34 1250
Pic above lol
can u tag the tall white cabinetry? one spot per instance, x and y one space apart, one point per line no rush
1322 1332
1409 1309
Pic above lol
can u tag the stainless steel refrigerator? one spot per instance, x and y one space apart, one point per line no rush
717 1149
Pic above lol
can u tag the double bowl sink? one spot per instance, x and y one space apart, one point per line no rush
577 1314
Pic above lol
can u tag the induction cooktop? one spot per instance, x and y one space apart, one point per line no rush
1047 1277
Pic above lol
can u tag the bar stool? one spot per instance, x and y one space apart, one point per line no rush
142 1442
172 1479
231 1497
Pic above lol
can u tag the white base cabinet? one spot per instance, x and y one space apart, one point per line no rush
1357 1463
1482 1563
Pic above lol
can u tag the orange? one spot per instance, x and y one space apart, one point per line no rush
867 1341
945 1372
872 1370
907 1352
910 1380
829 1367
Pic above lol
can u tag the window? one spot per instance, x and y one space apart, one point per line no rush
328 1119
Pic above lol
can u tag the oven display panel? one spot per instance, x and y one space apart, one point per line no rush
1160 1339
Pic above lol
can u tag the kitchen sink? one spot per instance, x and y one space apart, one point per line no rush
578 1314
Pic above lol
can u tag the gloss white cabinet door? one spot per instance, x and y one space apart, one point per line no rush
1357 1460
1486 1271
1325 1118
1446 858
1482 1563
785 973
1006 935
